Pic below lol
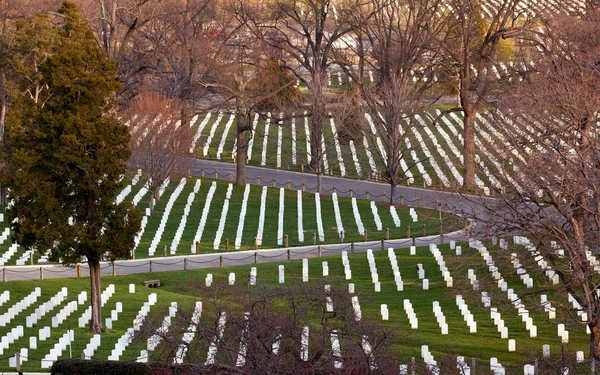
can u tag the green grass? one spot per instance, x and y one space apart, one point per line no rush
429 218
332 155
351 234
484 344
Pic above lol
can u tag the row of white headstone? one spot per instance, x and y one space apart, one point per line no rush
199 130
300 216
224 136
8 254
223 219
188 336
439 258
20 306
511 295
418 162
395 270
466 314
65 340
242 219
338 149
337 214
211 134
410 312
263 158
280 216
204 216
261 215
432 161
186 211
320 230
373 271
165 217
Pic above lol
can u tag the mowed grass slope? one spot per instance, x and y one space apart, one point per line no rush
270 237
484 344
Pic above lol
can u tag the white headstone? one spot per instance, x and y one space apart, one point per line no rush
385 314
512 345
131 288
281 274
546 351
33 342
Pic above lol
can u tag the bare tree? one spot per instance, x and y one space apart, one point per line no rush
472 45
121 28
306 32
549 127
234 67
159 141
388 38
284 330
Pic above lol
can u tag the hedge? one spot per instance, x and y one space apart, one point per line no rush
98 367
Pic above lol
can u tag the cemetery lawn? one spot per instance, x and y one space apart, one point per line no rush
427 218
484 344
294 141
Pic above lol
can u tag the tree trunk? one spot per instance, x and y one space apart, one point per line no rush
316 126
469 148
595 339
2 119
96 301
240 153
2 123
319 178
392 192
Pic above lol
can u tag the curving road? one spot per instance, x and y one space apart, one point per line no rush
469 206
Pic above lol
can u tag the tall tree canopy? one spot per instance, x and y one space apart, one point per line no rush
64 155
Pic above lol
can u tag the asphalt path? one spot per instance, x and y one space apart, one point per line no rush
468 206
223 259
472 206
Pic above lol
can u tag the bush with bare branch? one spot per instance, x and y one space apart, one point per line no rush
159 141
284 330
549 130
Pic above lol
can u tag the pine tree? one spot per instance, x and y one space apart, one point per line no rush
64 158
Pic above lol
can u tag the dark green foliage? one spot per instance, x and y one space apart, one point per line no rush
98 367
64 151
64 154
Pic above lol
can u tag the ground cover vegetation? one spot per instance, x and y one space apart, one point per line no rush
351 95
401 343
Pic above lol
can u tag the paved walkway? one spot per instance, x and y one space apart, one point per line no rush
449 201
223 259
467 205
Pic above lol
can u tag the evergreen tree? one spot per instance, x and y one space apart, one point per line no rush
64 157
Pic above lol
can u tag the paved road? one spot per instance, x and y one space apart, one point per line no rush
449 201
178 263
469 206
